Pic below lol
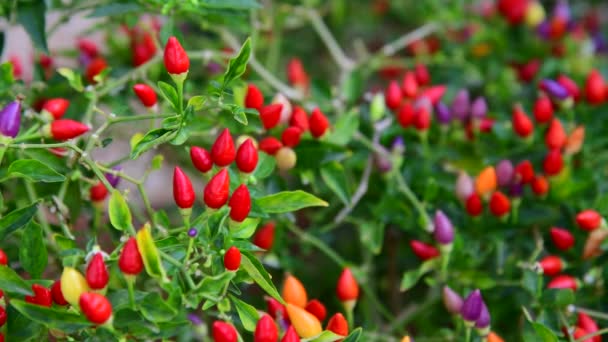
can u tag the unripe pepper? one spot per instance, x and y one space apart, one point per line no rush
290 335
486 181
305 323
423 250
575 141
499 204
183 192
266 330
146 94
562 238
175 57
588 220
65 129
223 332
504 172
247 156
270 115
464 186
291 136
96 307
286 159
264 237
570 85
554 89
73 284
201 159
42 296
338 325
10 119
563 281
57 294
97 275
443 230
232 259
479 108
299 119
216 191
294 292
240 204
55 108
3 258
551 265
318 123
471 307
254 98
443 114
130 261
223 151
317 308
270 145
347 289
461 105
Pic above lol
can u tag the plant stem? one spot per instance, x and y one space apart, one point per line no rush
128 76
591 335
592 313
328 39
405 189
180 266
467 335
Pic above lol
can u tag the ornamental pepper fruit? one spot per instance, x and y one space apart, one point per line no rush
464 186
97 275
130 261
595 88
543 110
317 308
10 119
290 335
392 95
423 251
94 68
264 237
73 284
294 292
555 137
522 125
493 337
42 296
406 115
223 332
240 204
338 325
146 95
216 191
3 258
499 204
247 156
563 281
540 185
594 242
57 294
275 309
254 98
286 158
575 141
474 205
472 307
96 307
201 159
291 136
318 123
524 172
98 193
486 181
222 151
551 265
296 74
232 259
183 192
299 119
55 108
65 129
3 318
270 145
587 323
422 119
271 115
580 333
451 300
409 85
266 330
347 289
175 57
562 238
588 220
305 323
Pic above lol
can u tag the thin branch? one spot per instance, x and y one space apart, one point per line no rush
334 48
408 38
359 193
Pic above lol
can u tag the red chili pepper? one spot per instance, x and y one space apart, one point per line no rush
423 251
201 159
216 191
422 74
562 238
94 68
275 309
183 192
392 95
291 136
551 265
290 335
130 261
553 162
524 172
570 85
556 136
580 333
223 151
318 123
57 294
409 85
406 115
266 330
588 220
473 205
543 109
264 237
522 125
247 156
434 93
88 47
232 259
240 203
513 10
422 119
338 325
270 145
3 258
271 115
3 318
347 288
97 275
254 98
540 185
98 192
316 308
594 88
97 308
65 129
55 107
299 119
175 57
296 73
563 281
588 324
146 94
42 296
499 204
223 332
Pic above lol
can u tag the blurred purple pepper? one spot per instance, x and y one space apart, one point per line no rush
192 232
504 172
112 177
562 11
444 231
451 300
479 108
442 112
461 105
195 319
471 307
554 89
464 186
10 119
483 322
516 190
398 146
544 30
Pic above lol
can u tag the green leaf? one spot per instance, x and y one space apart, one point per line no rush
354 336
213 287
245 229
118 210
74 79
353 87
256 271
60 319
558 298
345 128
112 9
21 328
149 253
239 114
34 171
17 219
169 93
410 278
197 102
151 139
248 314
155 309
6 77
266 164
31 15
238 64
334 177
32 250
371 235
12 283
287 201
325 336
157 162
231 4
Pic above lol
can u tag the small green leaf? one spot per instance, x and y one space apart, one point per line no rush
345 128
334 177
169 93
239 115
558 298
6 77
32 16
12 283
230 4
60 319
34 171
213 287
197 102
151 139
287 201
325 336
535 332
32 250
74 79
248 314
112 9
256 271
245 229
17 219
149 253
157 162
354 336
155 309
238 64
118 210
371 235
410 278
266 164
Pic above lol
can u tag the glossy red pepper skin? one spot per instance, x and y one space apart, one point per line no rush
338 325
392 95
232 259
97 308
97 275
562 238
146 94
551 265
524 172
223 332
65 129
473 205
56 107
499 204
270 145
223 151
543 110
254 98
556 136
296 74
291 136
130 261
299 119
563 281
423 250
42 296
216 191
266 330
57 294
3 258
588 324
264 237
240 203
588 220
94 68
595 88
347 288
290 335
183 192
247 157
318 123
317 308
201 159
3 317
175 57
98 192
271 115
522 125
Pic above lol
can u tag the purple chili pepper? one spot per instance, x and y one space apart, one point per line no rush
192 232
504 172
461 105
599 43
398 146
442 112
516 190
195 319
544 30
472 306
112 178
554 89
10 119
444 231
562 11
479 108
483 321
451 300
464 186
